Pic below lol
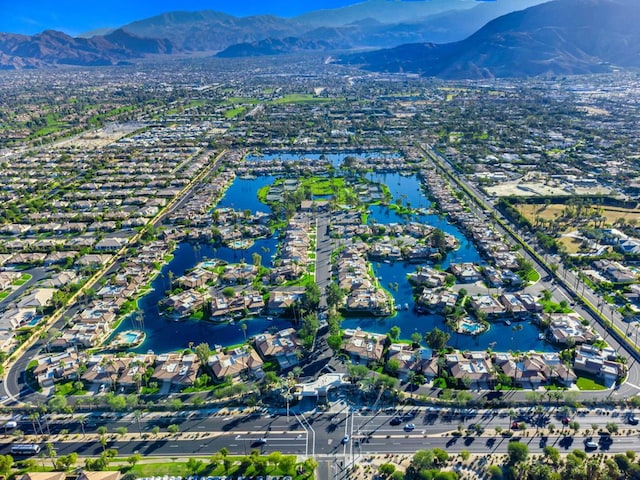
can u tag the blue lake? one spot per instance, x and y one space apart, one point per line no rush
334 158
166 335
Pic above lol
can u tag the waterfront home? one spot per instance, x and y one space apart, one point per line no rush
54 368
196 278
466 272
428 277
363 347
486 304
283 346
474 367
529 302
567 329
280 299
185 303
176 369
599 363
368 300
512 304
535 369
419 361
236 362
104 369
15 317
436 300
238 274
131 377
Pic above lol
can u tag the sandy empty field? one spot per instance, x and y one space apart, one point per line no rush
554 211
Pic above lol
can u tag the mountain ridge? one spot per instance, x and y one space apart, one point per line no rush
558 37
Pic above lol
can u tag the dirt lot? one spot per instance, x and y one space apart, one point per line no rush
554 211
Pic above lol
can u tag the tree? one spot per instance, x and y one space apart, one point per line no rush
122 431
203 352
6 462
386 469
335 295
357 372
495 472
65 462
518 452
392 367
51 453
311 297
133 459
335 342
552 454
57 404
173 428
394 333
437 339
416 338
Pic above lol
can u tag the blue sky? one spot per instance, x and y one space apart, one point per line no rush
77 16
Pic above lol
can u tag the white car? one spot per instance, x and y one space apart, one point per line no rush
345 439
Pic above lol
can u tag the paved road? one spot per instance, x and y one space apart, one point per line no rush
323 433
37 274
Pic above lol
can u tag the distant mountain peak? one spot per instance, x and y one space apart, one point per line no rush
558 37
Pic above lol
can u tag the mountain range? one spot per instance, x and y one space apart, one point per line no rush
368 24
558 37
435 37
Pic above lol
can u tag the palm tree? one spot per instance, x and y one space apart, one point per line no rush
243 327
82 420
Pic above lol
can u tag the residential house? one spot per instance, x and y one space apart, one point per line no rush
176 369
280 299
363 347
568 329
282 346
419 361
473 367
599 363
233 363
486 304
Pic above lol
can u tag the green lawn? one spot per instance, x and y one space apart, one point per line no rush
3 295
302 98
22 280
587 383
234 112
66 389
204 467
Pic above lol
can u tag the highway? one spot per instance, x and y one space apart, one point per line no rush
318 434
